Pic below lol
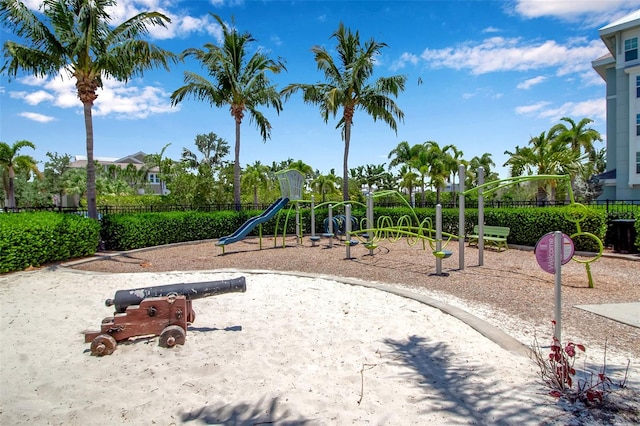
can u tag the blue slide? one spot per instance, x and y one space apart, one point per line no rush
242 232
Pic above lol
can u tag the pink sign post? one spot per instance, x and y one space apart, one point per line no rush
552 251
545 251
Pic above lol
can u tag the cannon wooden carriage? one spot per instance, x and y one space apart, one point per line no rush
163 311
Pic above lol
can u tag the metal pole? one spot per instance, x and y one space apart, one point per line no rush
438 238
313 221
461 178
370 221
298 229
480 218
347 229
557 265
330 225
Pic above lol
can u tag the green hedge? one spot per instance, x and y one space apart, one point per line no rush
34 239
37 238
131 231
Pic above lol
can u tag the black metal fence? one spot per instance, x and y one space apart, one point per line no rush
621 208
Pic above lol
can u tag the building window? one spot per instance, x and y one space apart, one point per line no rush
154 178
638 86
631 49
638 163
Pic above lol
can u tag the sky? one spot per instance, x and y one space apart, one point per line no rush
493 75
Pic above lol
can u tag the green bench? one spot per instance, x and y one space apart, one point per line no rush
493 236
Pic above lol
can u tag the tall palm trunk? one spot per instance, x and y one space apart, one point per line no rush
91 168
348 118
236 166
345 162
11 196
541 196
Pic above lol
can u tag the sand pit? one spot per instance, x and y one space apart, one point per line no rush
291 350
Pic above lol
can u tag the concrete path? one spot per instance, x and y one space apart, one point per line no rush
626 313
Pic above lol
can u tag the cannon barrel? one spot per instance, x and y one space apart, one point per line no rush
125 298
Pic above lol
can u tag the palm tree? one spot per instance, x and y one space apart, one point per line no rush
420 162
213 149
302 167
256 176
347 88
238 81
163 165
54 173
9 161
325 184
135 177
403 153
408 179
439 166
455 160
579 137
372 175
486 162
80 40
75 183
547 154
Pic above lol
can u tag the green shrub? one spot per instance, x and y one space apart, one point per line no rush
33 239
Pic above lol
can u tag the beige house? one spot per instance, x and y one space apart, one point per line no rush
152 175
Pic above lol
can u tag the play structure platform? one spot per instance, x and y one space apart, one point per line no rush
291 183
250 224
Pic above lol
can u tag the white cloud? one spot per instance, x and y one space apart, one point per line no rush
530 109
593 108
220 3
403 60
512 54
115 98
570 9
491 30
485 93
40 118
276 40
34 98
529 83
131 102
33 80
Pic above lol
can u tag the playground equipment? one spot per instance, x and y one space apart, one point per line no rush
161 311
385 229
291 182
493 186
406 227
250 224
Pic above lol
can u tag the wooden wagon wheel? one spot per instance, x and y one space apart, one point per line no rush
104 344
191 317
171 336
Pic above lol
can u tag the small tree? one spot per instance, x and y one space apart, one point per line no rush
77 38
9 161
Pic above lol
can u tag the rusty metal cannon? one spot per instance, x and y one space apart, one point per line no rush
161 311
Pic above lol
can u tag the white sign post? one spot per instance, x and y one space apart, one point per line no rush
552 251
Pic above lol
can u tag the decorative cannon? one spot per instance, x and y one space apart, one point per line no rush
161 311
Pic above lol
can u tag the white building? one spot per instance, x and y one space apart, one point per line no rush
620 69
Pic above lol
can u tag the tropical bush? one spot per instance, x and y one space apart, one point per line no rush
34 239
